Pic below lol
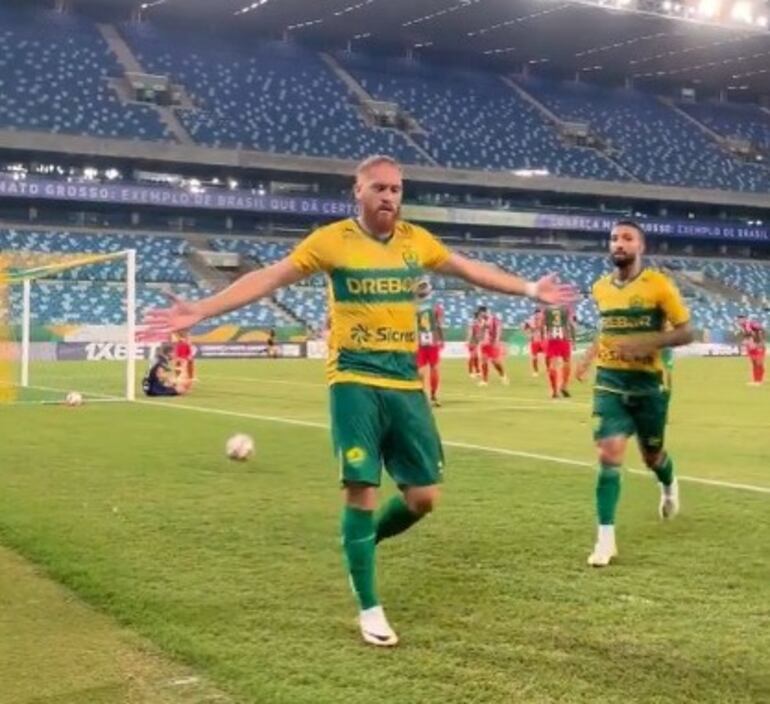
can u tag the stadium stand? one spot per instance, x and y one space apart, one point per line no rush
93 294
271 97
650 139
474 121
744 121
54 72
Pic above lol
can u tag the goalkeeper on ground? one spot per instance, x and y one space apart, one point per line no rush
160 379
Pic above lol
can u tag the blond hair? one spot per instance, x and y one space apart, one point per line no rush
376 160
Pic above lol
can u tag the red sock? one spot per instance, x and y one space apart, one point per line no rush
761 373
434 381
485 370
566 371
757 369
552 378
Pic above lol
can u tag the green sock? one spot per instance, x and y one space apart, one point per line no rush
395 518
665 471
358 545
607 493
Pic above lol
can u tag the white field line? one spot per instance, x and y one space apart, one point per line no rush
450 443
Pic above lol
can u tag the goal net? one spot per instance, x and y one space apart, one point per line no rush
67 324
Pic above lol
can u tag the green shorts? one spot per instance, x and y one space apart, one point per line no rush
631 403
374 427
643 415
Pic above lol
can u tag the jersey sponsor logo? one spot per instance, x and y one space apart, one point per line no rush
379 285
625 322
362 335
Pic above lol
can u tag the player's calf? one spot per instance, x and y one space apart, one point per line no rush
660 463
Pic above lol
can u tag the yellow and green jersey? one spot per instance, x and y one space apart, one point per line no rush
646 304
372 306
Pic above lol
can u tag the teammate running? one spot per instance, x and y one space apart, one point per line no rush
430 333
380 416
634 304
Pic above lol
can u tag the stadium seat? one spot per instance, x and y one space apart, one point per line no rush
54 73
650 139
269 96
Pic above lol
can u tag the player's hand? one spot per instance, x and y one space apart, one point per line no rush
550 290
161 322
581 370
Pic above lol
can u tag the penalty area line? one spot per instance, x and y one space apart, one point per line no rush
452 443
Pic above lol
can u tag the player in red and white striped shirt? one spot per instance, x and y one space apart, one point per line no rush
753 340
533 329
491 346
475 329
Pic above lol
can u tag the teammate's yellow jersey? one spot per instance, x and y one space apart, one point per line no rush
372 306
643 305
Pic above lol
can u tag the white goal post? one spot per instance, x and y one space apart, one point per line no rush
55 310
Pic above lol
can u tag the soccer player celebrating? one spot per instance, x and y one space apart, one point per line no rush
558 331
634 304
753 338
430 339
474 341
379 413
491 346
533 329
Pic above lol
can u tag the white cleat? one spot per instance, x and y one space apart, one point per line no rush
602 555
375 628
669 500
505 381
535 375
482 383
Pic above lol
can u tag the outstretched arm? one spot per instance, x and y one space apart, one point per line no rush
546 289
247 289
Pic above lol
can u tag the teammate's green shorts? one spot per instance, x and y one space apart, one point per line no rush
632 408
374 427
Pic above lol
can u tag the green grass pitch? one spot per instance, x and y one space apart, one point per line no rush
233 571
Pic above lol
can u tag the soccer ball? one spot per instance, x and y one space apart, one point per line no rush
73 399
239 447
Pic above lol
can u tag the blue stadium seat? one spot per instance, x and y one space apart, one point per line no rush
54 72
272 97
650 139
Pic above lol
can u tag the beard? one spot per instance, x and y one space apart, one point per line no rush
622 260
380 221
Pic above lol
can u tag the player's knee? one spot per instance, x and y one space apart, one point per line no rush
423 500
611 452
653 458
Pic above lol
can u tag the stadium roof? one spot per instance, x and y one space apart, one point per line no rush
620 39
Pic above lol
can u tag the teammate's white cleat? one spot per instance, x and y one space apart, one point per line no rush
505 381
605 549
603 554
482 383
375 628
535 375
669 500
